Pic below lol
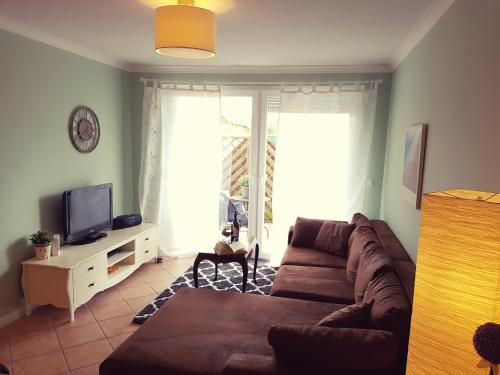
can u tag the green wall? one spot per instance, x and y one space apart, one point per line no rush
451 81
39 87
377 152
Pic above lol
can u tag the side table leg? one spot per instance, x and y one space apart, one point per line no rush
195 270
244 267
255 263
216 270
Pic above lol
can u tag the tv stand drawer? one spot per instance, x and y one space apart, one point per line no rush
85 290
89 268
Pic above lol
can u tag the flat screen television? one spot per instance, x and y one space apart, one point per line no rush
86 211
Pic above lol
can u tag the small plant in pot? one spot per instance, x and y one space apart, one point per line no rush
42 243
244 183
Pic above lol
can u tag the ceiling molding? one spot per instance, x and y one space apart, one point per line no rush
307 69
54 41
433 14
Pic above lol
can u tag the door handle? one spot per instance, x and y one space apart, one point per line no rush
91 268
91 285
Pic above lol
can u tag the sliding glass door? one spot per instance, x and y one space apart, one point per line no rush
294 153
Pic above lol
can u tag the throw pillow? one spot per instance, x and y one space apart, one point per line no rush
352 316
334 348
391 310
373 260
305 232
333 237
361 236
361 220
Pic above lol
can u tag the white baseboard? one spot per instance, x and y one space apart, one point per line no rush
14 315
10 317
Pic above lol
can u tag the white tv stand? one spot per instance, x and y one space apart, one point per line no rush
79 272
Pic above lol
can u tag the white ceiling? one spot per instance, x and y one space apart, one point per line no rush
372 35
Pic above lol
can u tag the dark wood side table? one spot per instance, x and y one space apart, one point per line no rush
242 259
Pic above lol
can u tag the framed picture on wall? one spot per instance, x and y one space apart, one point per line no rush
413 168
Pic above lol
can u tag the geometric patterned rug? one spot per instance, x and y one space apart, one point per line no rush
229 278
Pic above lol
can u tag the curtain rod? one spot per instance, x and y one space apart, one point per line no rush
264 83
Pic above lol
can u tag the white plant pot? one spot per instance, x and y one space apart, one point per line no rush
244 191
42 252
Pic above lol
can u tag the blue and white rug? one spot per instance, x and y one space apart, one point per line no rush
229 278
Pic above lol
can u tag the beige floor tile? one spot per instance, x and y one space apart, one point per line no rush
135 291
132 280
89 370
138 303
4 348
83 315
107 296
87 354
118 340
28 326
156 275
118 326
43 342
73 336
176 270
160 286
110 310
44 364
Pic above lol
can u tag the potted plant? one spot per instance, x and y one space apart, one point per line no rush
42 243
244 183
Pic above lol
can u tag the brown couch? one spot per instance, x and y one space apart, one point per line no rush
201 331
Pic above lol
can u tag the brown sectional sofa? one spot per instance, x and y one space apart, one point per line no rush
201 331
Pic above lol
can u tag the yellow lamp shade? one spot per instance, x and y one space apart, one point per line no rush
457 286
185 31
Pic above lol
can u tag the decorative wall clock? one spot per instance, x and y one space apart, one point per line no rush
84 130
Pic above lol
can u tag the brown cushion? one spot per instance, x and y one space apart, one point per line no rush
314 284
333 237
305 231
361 220
361 236
391 310
334 348
306 256
352 316
406 274
373 259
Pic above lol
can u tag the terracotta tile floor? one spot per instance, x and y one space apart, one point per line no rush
47 344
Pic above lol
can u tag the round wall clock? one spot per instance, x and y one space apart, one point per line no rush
84 129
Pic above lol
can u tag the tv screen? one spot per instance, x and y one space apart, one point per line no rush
87 211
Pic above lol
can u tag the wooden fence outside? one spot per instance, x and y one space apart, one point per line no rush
236 163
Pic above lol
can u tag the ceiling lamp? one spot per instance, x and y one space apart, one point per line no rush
185 31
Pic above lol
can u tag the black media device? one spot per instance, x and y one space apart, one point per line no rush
86 211
126 221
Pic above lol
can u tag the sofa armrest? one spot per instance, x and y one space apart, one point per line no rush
253 364
290 235
335 348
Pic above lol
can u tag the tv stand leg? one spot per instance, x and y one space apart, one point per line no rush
28 309
71 315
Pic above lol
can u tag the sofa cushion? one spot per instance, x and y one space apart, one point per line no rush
406 275
178 339
361 236
373 259
361 220
305 231
352 316
334 348
333 237
391 310
314 284
305 256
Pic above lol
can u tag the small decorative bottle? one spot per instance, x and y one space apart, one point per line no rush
235 235
56 244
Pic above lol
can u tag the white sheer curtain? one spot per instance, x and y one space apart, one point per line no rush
181 167
322 155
